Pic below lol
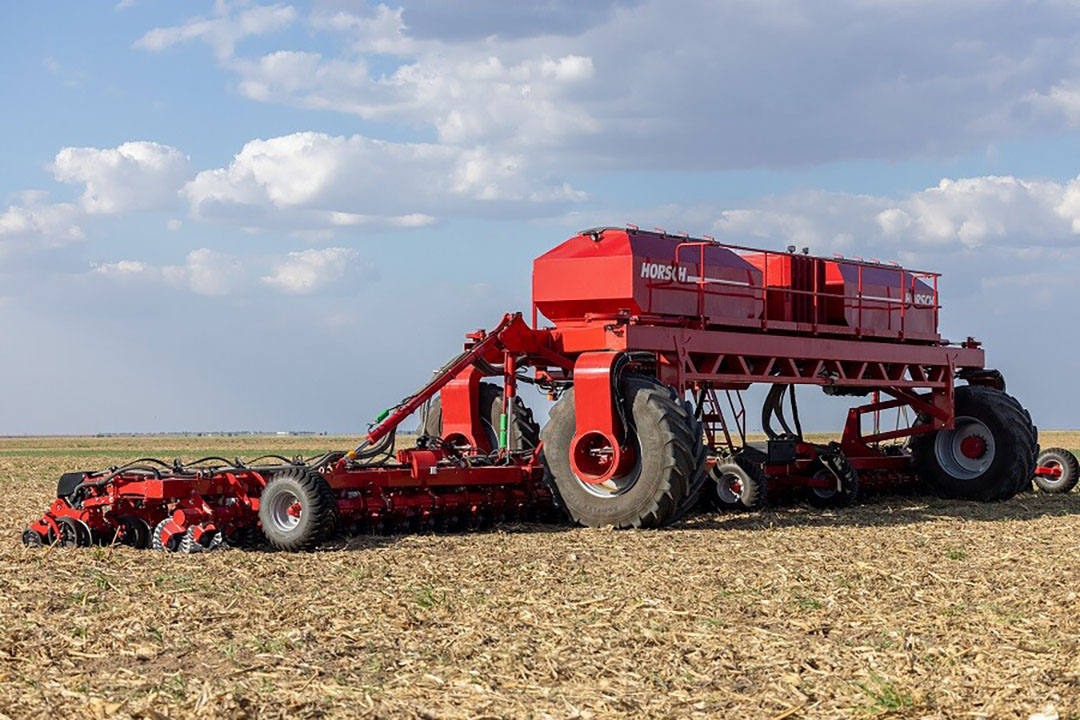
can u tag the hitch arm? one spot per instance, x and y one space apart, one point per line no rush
389 421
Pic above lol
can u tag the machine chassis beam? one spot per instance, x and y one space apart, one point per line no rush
738 359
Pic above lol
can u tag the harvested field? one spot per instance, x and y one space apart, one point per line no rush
905 607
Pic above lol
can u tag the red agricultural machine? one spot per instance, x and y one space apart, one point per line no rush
649 341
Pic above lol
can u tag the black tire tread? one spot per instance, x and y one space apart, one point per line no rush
155 536
849 488
318 501
1070 466
682 466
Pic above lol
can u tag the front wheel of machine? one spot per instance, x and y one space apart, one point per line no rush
837 469
739 484
297 510
1058 459
989 454
652 493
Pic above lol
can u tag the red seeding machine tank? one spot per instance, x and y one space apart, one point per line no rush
645 342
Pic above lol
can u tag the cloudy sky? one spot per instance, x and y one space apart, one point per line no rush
284 216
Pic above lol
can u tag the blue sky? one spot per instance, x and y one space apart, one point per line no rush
284 215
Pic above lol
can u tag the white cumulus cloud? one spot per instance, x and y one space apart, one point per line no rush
211 273
307 271
469 99
40 224
1002 212
746 83
222 31
208 272
382 30
313 180
204 272
132 176
123 268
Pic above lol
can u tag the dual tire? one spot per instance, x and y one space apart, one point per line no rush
741 484
989 456
838 471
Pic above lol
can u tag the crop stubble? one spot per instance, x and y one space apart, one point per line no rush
905 606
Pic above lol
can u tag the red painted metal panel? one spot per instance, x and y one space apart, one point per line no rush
462 424
664 279
597 451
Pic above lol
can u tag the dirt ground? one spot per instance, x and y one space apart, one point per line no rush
904 606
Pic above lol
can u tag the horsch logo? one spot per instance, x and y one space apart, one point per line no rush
920 298
658 271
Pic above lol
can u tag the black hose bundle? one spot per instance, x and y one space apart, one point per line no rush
774 408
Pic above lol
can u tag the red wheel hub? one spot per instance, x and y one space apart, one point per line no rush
596 459
1051 468
973 447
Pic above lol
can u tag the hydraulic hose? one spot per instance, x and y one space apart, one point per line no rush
795 414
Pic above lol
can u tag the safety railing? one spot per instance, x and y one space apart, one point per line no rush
705 287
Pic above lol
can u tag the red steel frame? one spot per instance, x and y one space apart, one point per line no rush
694 354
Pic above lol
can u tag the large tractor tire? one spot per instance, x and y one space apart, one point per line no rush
525 432
1058 459
990 454
297 510
700 474
669 460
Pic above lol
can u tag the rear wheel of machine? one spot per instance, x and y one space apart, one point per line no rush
526 433
1059 459
739 484
845 490
653 492
988 456
297 510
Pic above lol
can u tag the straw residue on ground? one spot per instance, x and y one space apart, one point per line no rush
905 607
